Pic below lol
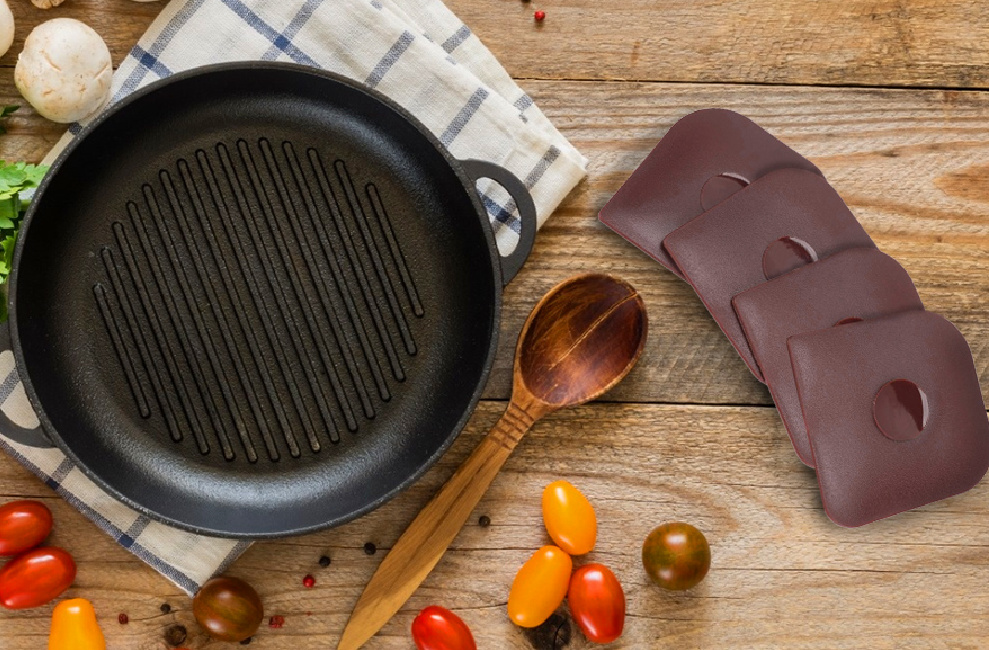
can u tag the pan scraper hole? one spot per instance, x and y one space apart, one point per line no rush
718 188
901 410
786 254
506 222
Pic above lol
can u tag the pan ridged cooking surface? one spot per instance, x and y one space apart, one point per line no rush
319 294
256 301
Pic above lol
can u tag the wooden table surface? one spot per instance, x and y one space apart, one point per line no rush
888 98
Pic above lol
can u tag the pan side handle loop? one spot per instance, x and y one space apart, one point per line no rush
511 263
12 397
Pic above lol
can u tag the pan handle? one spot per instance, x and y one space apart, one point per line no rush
511 263
8 428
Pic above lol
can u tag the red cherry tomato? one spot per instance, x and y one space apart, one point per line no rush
436 628
597 603
35 578
23 525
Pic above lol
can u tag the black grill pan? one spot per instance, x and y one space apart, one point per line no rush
258 299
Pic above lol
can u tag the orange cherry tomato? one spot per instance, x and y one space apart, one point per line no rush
437 628
74 627
23 525
35 578
597 603
539 586
569 518
676 556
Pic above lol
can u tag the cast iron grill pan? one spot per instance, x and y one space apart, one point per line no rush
255 301
309 324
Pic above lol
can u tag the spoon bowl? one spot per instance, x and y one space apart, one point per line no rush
582 338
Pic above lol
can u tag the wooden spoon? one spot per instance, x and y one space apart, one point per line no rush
581 339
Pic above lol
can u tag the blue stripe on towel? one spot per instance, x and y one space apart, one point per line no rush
156 48
501 216
457 39
293 29
150 62
390 58
8 385
277 39
461 119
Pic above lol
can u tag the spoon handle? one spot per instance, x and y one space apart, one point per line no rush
426 539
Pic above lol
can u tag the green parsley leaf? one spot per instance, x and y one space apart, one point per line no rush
5 112
8 253
14 178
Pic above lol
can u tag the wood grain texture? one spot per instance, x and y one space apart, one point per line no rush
782 574
939 43
834 42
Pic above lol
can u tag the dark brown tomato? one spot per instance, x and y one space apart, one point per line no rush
229 609
676 556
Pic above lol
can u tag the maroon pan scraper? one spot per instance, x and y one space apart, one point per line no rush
704 158
785 220
894 412
857 284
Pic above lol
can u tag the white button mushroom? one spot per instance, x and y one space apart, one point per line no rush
6 27
46 4
64 71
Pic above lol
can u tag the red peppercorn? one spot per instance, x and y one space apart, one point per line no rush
539 16
309 582
276 622
123 619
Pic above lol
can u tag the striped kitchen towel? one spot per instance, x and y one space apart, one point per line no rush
415 51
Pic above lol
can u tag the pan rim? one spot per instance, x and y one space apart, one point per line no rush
454 166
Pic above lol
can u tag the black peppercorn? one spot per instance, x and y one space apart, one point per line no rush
165 608
554 634
484 521
370 548
324 561
176 635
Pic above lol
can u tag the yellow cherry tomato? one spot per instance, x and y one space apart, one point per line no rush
74 627
539 586
569 518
